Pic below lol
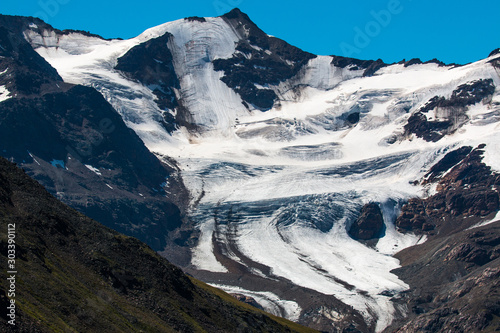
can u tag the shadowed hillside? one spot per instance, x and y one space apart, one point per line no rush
75 275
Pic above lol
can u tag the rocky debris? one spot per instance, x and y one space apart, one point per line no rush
478 248
470 93
467 190
445 164
448 113
370 223
454 283
451 273
428 130
259 61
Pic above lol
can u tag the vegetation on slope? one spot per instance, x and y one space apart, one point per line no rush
75 275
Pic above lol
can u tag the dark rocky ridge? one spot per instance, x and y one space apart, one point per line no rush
495 62
195 18
454 276
79 128
151 64
253 65
59 132
417 61
74 274
369 66
495 51
450 111
467 190
26 71
22 23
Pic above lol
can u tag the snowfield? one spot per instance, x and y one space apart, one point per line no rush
279 189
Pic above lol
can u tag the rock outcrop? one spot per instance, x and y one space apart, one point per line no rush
369 225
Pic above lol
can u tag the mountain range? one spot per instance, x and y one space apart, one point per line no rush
346 195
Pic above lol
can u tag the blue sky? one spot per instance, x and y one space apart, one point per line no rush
452 31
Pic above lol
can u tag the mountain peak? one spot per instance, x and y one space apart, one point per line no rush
236 13
237 18
495 51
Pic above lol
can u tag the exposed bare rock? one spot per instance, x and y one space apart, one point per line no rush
454 283
467 190
448 113
370 223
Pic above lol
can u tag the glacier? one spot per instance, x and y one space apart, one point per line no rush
273 193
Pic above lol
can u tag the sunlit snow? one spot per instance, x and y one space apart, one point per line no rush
284 185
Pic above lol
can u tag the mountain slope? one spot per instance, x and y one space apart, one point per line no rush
73 141
283 152
454 276
74 274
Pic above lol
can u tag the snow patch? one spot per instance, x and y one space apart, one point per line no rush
4 92
491 156
269 301
93 169
33 157
482 224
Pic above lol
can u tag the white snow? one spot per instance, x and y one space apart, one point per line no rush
93 169
289 168
33 157
204 257
269 301
4 93
492 151
483 223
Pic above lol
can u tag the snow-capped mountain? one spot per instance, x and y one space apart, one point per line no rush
306 174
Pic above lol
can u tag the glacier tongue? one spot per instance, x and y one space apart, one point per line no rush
294 220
